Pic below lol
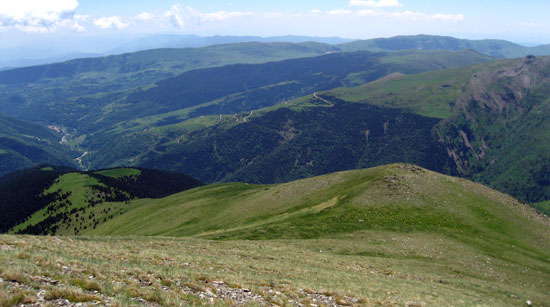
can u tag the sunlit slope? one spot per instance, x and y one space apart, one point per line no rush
397 197
475 245
49 200
391 235
494 47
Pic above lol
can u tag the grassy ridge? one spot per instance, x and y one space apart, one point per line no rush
427 94
397 197
62 201
391 235
80 187
492 47
120 172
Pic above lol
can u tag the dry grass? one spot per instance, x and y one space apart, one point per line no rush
87 285
71 295
374 267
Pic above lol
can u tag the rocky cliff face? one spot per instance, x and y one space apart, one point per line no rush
499 122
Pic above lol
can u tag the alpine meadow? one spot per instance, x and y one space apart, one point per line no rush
313 153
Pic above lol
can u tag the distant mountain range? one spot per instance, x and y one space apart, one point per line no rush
56 51
27 56
280 172
275 112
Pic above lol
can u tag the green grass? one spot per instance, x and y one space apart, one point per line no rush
76 183
543 207
392 197
430 94
376 267
120 172
390 235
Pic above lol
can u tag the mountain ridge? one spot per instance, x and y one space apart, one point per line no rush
52 195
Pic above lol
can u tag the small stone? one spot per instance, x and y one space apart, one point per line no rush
1 280
529 303
64 268
246 290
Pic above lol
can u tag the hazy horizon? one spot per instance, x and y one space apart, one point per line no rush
34 29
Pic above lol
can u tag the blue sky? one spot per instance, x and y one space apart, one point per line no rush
519 21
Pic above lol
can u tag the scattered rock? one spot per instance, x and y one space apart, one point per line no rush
4 247
45 280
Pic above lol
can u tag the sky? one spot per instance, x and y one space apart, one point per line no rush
519 21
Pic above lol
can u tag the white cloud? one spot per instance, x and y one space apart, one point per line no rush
374 3
368 13
408 15
113 22
529 24
273 15
174 17
447 17
38 15
424 16
339 12
221 15
200 17
81 17
145 16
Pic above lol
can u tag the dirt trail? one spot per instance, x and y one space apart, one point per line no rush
79 160
323 100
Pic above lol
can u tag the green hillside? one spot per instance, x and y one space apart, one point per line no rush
397 197
210 96
495 115
76 83
486 122
492 47
395 234
50 200
24 144
543 207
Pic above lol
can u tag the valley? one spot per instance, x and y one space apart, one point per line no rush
402 171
